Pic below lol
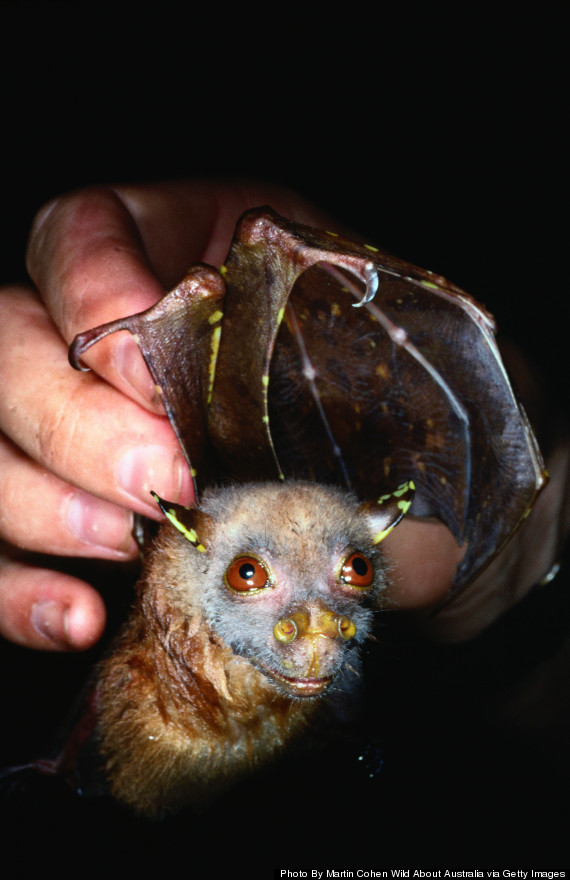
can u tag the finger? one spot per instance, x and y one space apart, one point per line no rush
201 227
423 557
76 426
88 262
42 513
101 254
46 610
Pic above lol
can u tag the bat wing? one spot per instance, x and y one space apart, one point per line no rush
408 385
341 364
178 338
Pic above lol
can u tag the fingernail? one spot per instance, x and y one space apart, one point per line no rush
50 619
100 524
143 469
130 364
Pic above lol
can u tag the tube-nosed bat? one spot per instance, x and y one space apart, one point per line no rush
251 609
313 384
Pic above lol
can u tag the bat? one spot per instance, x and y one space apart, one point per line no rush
237 637
320 390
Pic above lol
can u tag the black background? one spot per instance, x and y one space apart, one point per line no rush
436 134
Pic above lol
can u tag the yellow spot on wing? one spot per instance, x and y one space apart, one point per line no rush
214 346
382 371
215 317
370 247
223 270
265 381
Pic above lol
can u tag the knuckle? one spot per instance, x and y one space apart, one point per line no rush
64 214
13 525
57 431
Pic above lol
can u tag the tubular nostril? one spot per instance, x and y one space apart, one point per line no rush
289 628
333 625
325 623
285 630
346 628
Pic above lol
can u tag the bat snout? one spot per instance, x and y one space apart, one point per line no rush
312 622
312 637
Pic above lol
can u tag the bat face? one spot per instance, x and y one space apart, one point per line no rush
288 578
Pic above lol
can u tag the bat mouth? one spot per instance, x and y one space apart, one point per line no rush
300 687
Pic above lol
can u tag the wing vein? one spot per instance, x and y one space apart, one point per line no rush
310 375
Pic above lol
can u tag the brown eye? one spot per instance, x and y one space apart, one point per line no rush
246 574
357 571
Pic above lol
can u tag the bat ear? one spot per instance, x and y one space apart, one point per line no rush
192 523
385 513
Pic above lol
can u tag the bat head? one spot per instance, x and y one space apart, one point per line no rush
287 575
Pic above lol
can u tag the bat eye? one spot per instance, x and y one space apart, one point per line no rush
246 574
357 571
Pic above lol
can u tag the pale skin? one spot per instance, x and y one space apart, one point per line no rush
79 452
